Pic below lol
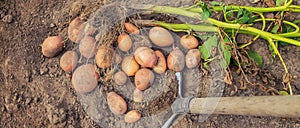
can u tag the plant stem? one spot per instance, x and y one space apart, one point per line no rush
179 11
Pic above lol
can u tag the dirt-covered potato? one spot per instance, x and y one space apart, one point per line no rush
74 29
143 79
132 116
68 61
116 103
161 65
104 57
130 66
124 42
161 37
192 58
176 60
189 41
145 56
88 47
52 46
120 78
132 29
137 95
85 78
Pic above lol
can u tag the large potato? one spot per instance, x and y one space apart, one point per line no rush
104 57
85 78
161 37
145 56
176 60
88 47
116 103
143 79
52 46
130 66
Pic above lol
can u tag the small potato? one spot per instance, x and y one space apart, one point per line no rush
87 47
116 103
68 61
176 60
161 37
132 116
85 78
130 66
192 58
117 58
132 29
161 65
137 95
120 78
145 56
73 29
104 57
143 79
52 46
189 42
124 42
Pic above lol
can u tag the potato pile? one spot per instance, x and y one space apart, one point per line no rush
142 63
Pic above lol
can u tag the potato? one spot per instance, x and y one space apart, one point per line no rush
137 95
124 42
85 78
176 60
132 29
73 29
52 46
104 57
88 47
161 37
116 103
132 116
161 65
145 56
189 41
68 61
120 78
117 58
192 58
143 79
129 65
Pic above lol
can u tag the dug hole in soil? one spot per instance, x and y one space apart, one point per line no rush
36 92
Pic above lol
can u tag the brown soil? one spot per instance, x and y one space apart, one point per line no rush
35 92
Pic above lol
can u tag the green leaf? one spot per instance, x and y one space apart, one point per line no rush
226 49
205 49
206 12
275 29
280 2
283 93
256 57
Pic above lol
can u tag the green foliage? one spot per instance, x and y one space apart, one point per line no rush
256 57
226 49
245 17
283 93
206 12
280 2
206 48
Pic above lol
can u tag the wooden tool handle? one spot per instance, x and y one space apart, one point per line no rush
279 106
